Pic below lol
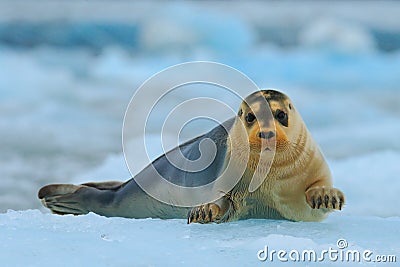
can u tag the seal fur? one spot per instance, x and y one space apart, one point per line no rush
297 187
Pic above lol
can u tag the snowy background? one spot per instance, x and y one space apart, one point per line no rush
69 69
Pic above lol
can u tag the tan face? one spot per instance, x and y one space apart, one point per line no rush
265 127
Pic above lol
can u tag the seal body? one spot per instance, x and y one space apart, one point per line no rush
128 199
295 183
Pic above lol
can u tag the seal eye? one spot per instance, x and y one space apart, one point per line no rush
282 117
250 117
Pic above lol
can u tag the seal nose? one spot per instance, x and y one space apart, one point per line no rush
266 135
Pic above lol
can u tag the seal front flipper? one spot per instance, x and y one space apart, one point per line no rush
219 211
322 197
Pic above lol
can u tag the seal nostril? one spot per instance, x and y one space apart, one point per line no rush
271 134
266 135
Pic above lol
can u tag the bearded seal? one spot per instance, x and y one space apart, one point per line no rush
295 184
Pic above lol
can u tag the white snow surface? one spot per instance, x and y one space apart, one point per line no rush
31 238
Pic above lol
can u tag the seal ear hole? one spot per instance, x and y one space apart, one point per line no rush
240 113
290 106
250 117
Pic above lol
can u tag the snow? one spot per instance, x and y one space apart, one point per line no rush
31 238
63 97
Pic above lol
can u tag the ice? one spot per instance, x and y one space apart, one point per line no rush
328 34
191 29
370 183
31 238
67 76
